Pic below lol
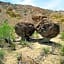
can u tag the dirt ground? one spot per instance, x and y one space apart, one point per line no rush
35 54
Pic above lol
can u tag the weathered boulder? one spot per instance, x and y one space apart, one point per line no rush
46 28
25 30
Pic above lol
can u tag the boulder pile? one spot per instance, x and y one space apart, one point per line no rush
43 26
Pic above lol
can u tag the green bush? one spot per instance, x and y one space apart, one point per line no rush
2 53
62 35
25 43
6 31
1 62
12 13
46 50
62 50
35 35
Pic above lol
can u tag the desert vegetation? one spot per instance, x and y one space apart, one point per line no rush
27 42
10 11
7 40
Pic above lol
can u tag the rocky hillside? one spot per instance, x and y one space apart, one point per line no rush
16 13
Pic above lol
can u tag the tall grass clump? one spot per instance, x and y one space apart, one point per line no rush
25 43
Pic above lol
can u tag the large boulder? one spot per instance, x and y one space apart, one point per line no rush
46 28
25 30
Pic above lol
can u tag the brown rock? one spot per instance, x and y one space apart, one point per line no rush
38 18
46 28
25 30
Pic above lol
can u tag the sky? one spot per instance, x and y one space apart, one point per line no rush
46 4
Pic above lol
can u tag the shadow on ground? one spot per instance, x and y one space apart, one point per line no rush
43 41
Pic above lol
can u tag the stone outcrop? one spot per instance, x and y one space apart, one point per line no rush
43 26
25 30
46 28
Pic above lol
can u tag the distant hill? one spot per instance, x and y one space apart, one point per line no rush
16 13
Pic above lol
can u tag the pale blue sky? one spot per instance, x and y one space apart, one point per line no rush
47 4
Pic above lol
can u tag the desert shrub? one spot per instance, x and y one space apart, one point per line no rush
1 62
13 46
6 31
7 34
62 50
62 35
18 15
46 50
9 9
25 43
35 35
62 60
2 53
12 13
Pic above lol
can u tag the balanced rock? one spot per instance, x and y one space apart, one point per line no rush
46 28
25 30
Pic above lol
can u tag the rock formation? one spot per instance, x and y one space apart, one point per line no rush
46 28
25 30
